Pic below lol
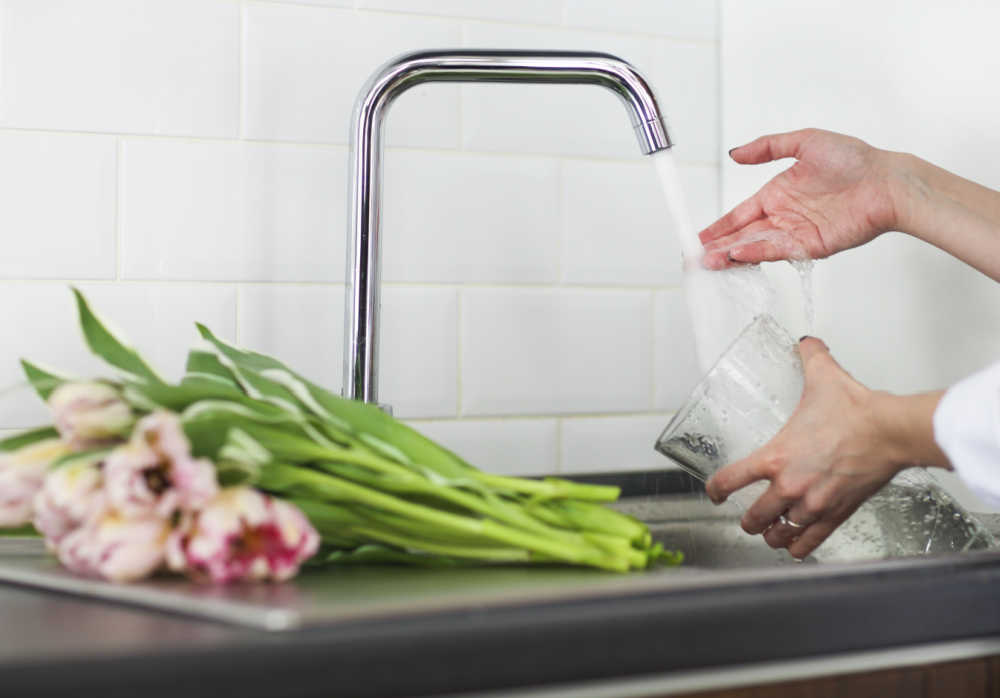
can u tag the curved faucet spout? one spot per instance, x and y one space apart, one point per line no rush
394 78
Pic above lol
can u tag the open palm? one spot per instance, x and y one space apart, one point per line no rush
836 196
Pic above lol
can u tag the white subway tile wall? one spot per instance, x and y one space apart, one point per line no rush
898 314
184 160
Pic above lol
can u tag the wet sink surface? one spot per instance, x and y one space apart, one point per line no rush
718 553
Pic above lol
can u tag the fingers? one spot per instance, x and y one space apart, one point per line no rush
741 216
782 534
813 536
735 476
768 148
756 252
764 511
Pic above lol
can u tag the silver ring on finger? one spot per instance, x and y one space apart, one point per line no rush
785 520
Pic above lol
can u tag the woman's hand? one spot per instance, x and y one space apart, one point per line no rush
840 194
842 444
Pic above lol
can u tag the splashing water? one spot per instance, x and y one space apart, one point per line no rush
804 268
720 303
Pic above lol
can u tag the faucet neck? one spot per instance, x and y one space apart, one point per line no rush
394 78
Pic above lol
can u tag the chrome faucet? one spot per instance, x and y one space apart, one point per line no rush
394 78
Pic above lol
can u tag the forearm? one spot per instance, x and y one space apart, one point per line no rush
906 424
947 211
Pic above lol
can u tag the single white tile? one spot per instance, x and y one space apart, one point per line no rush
500 446
452 217
121 65
686 20
675 360
533 351
58 206
306 65
302 326
158 319
232 211
418 351
617 227
686 79
588 120
533 11
596 444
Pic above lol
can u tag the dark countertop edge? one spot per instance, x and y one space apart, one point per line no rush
506 648
655 632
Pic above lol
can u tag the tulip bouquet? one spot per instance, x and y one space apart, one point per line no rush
245 470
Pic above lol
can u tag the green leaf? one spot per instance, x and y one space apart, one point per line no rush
44 382
362 418
107 346
27 438
203 363
25 531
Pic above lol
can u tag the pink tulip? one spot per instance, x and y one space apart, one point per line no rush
243 535
114 547
89 414
154 472
22 474
71 495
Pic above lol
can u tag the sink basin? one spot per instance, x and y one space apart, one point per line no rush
718 554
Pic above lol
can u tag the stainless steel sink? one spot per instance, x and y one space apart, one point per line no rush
718 554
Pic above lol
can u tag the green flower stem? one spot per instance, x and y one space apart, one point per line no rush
551 488
589 516
494 506
332 517
312 483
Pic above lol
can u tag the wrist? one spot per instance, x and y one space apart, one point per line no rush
909 190
905 429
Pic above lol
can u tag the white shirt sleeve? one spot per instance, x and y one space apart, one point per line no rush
967 428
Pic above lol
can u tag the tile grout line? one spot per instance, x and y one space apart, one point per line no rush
563 225
719 96
119 202
652 350
459 396
541 416
507 153
242 101
560 25
453 285
560 463
236 314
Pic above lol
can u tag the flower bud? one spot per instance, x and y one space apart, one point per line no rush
22 473
154 472
243 535
90 414
71 494
114 547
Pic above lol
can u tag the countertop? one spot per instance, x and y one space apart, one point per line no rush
53 644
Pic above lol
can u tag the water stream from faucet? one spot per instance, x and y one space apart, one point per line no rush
722 303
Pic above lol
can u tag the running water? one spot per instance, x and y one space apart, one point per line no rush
720 303
912 515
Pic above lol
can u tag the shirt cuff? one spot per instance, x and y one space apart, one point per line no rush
967 428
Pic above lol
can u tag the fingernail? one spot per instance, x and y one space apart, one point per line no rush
803 338
731 151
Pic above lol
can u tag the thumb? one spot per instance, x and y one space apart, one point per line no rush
817 364
768 148
812 346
